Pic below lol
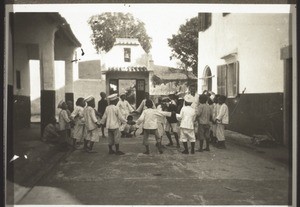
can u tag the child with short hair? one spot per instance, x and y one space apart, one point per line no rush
216 108
125 109
204 115
187 117
50 132
222 119
113 119
79 131
172 125
64 124
102 104
130 127
89 114
148 119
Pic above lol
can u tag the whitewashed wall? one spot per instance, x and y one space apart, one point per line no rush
257 39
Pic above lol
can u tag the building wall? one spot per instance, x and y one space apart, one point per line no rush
257 39
89 69
88 87
21 113
115 57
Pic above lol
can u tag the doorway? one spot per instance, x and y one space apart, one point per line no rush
128 86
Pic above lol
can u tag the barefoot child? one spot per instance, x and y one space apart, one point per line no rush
89 114
148 119
187 117
172 125
102 104
204 114
222 119
79 128
113 119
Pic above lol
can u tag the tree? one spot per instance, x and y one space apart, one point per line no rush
108 26
185 44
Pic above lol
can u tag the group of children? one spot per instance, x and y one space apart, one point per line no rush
188 117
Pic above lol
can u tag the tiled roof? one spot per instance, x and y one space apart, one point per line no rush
169 74
127 41
128 69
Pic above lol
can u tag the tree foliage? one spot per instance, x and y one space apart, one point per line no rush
106 27
185 44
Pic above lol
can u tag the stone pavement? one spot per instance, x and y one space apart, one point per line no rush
134 166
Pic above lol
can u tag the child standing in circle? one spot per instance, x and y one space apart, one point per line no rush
204 115
222 119
148 120
79 131
102 104
187 117
91 124
113 119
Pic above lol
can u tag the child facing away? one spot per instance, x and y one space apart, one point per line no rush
89 114
113 119
204 116
172 124
102 104
187 117
79 130
64 124
161 120
50 132
216 108
148 120
222 119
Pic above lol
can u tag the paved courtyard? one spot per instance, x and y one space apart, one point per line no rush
234 176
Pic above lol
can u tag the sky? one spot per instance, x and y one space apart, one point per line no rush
160 23
161 20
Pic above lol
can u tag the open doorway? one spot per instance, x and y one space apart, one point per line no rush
128 86
35 91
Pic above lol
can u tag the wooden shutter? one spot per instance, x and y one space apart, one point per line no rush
222 79
236 78
201 21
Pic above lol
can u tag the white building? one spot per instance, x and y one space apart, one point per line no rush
247 57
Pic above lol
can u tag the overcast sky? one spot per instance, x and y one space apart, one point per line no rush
160 22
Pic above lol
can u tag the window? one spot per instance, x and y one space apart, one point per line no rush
127 55
225 14
228 79
18 74
204 21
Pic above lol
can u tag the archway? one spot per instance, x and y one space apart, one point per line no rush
207 79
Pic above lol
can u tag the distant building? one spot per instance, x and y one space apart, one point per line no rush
247 57
128 68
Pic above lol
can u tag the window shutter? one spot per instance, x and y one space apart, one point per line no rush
236 84
219 77
222 79
201 21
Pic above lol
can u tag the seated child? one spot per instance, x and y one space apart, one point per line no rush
50 132
130 127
